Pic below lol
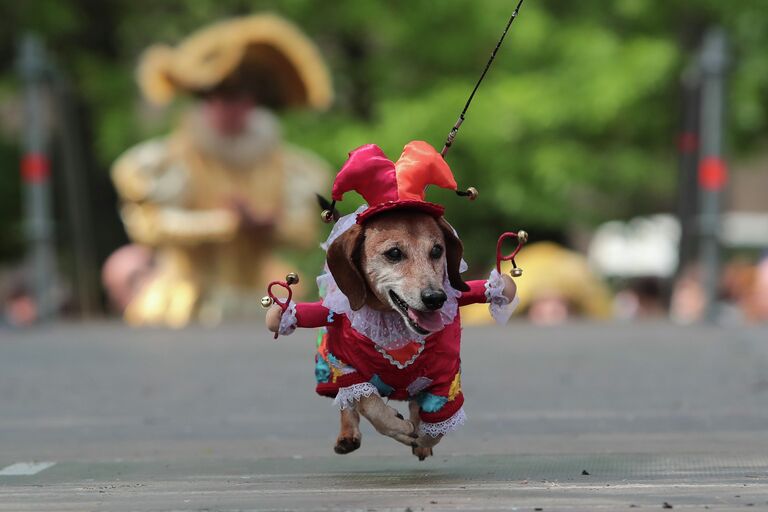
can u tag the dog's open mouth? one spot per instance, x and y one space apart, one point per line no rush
423 322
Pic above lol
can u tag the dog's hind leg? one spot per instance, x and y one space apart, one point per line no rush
386 420
413 414
424 443
349 435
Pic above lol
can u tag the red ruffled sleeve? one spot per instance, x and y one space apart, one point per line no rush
475 295
312 314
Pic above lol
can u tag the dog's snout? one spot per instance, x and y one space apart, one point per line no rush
433 299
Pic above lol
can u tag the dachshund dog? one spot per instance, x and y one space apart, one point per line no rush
402 261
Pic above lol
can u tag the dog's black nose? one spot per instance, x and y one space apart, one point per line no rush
433 299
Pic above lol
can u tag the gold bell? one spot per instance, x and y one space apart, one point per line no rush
326 216
516 272
266 301
292 278
522 236
472 193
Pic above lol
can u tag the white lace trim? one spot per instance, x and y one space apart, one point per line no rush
449 425
288 321
346 397
501 307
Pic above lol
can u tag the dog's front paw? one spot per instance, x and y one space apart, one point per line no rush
510 288
422 452
274 314
422 447
346 444
406 433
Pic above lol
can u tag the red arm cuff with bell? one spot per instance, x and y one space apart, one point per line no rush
312 314
475 295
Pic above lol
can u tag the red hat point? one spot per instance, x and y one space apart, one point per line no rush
387 185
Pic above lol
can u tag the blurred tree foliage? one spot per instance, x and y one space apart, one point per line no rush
574 124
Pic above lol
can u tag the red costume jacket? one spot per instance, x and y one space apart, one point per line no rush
428 370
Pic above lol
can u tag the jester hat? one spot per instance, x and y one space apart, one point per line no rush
386 185
249 47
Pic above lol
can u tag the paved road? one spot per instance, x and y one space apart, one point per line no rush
226 419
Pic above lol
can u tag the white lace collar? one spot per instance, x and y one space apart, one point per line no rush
386 329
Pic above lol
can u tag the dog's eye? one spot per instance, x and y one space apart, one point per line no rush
436 252
394 254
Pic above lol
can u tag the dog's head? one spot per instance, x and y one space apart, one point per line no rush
397 261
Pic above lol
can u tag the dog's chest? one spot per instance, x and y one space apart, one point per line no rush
404 356
441 349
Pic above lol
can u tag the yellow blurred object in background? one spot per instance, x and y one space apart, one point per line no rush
259 44
552 275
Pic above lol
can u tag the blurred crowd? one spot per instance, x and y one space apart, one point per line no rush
558 286
743 293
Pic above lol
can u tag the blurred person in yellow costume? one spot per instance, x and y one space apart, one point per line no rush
556 285
218 196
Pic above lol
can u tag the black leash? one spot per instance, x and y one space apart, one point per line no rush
330 214
455 129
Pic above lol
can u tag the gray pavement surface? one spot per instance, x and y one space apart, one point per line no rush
226 419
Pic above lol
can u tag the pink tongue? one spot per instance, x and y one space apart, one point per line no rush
427 320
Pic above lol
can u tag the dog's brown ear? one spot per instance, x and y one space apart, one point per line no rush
454 250
343 256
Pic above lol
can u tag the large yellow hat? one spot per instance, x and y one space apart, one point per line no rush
264 45
549 269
